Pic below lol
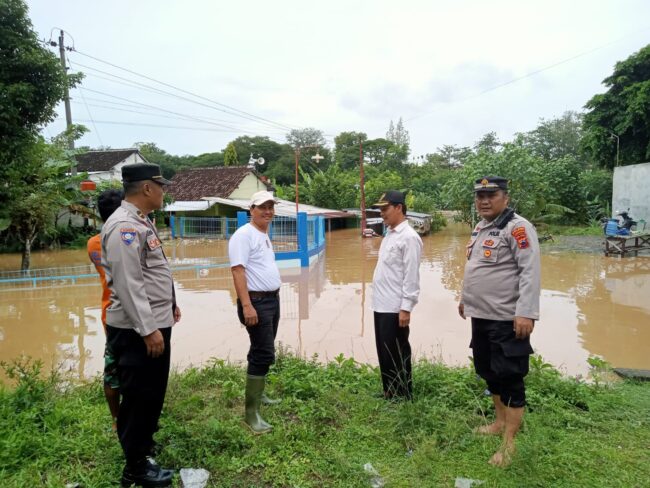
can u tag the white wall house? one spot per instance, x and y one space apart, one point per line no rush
107 165
632 190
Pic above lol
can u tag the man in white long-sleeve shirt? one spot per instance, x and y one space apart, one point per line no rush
396 287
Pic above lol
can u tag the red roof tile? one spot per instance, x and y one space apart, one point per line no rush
196 183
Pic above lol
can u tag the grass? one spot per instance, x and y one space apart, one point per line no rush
573 230
329 425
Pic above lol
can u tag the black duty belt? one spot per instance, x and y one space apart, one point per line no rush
263 294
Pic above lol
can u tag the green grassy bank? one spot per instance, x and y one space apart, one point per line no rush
329 425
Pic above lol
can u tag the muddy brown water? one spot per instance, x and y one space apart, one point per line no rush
591 305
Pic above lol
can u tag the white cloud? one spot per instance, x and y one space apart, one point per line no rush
348 65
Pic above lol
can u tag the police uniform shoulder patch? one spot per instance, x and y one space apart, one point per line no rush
128 235
153 242
519 233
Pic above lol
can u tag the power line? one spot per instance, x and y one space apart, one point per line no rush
134 84
101 143
528 75
149 114
284 126
189 117
138 124
136 105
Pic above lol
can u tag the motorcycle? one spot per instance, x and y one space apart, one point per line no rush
614 227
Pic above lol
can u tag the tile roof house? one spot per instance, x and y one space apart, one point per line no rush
107 165
192 187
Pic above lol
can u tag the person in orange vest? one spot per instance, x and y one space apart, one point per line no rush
107 202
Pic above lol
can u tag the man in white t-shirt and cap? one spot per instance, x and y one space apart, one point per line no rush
257 283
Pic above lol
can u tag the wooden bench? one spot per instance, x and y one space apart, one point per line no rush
624 245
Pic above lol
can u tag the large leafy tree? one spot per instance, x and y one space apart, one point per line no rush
310 142
264 147
623 111
43 190
32 82
346 149
556 138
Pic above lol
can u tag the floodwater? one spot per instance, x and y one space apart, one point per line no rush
591 305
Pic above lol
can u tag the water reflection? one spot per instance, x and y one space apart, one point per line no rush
590 305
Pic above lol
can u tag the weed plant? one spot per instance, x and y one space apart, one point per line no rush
330 423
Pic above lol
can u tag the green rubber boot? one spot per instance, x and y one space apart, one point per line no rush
252 417
269 401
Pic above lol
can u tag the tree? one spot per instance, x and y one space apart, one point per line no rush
32 82
308 142
538 189
489 143
43 190
264 147
449 156
299 138
398 134
230 155
346 149
378 181
556 138
331 188
622 112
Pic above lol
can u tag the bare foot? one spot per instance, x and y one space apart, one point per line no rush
494 428
503 457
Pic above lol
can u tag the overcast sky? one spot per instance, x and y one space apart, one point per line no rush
335 65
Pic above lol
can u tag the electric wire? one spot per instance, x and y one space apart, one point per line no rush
149 88
241 112
527 75
148 114
101 143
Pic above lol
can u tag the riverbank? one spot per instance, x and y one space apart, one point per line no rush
329 425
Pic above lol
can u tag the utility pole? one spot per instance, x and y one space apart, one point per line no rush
66 100
363 190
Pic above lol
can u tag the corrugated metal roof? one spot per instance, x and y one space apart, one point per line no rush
284 208
188 206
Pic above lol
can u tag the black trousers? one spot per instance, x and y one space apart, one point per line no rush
261 354
501 359
394 353
143 384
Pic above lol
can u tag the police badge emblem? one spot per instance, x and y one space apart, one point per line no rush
128 235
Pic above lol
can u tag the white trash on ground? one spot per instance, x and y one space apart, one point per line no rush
467 483
376 481
194 478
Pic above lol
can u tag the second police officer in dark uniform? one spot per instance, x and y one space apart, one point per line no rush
139 318
501 294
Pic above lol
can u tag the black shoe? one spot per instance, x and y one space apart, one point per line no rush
146 474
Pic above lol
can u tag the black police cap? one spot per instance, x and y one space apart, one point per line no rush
390 197
490 183
141 172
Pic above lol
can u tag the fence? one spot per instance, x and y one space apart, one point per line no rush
294 239
296 242
206 227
